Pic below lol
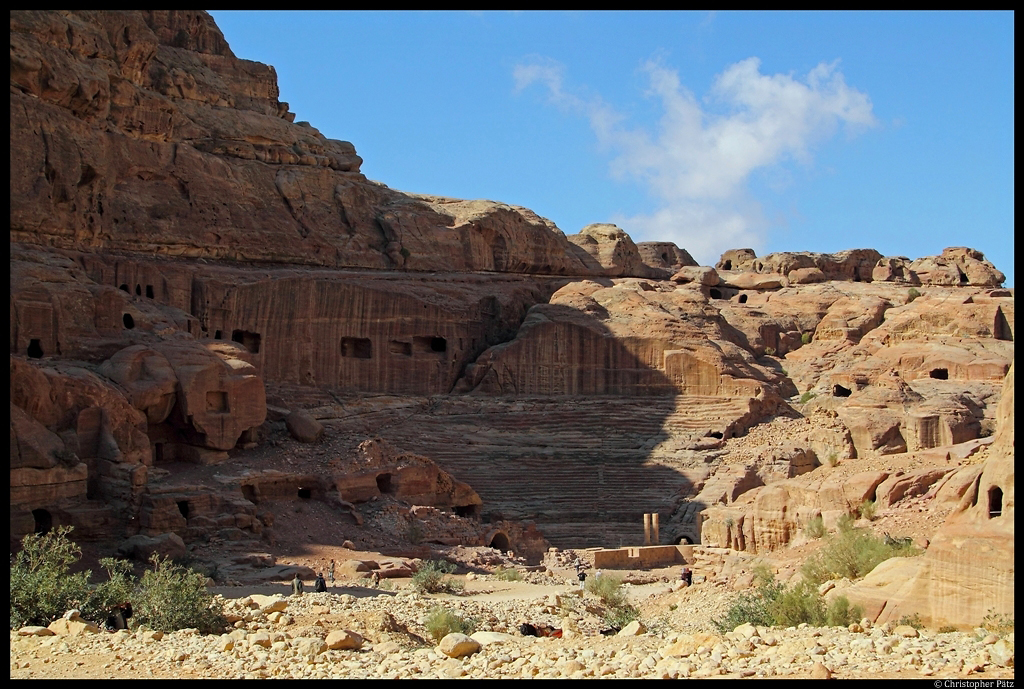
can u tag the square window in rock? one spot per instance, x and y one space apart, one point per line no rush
250 341
217 401
435 345
356 347
403 348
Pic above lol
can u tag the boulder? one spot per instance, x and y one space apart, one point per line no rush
303 427
456 645
609 250
344 640
141 547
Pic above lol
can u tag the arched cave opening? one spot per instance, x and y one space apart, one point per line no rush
249 493
35 350
995 502
840 391
939 373
743 299
1001 329
124 288
128 321
683 540
149 291
438 344
384 484
138 290
217 335
158 452
183 508
664 257
500 542
470 511
715 434
727 265
715 293
305 493
43 521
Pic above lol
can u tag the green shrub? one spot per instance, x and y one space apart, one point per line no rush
173 597
414 533
911 621
805 338
431 578
772 604
807 397
508 574
997 623
797 604
851 553
833 459
42 585
441 622
754 607
912 294
946 629
845 522
815 527
619 616
608 588
120 587
840 614
867 509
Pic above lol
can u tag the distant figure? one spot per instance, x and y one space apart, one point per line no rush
120 616
296 586
330 574
320 586
686 577
581 574
375 579
597 574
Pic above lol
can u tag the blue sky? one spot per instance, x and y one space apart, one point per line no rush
774 131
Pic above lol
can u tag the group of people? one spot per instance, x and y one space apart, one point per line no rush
319 584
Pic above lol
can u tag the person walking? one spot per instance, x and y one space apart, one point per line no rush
330 574
296 585
581 573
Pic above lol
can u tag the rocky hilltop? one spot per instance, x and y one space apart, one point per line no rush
215 317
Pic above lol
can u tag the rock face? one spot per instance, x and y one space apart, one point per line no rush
181 249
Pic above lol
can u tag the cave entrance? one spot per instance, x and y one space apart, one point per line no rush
840 391
158 453
356 348
128 321
249 493
385 485
35 350
434 344
124 288
183 508
1001 329
138 290
939 373
470 511
250 341
398 347
149 291
995 502
715 294
715 434
500 542
305 493
743 299
727 265
43 521
683 540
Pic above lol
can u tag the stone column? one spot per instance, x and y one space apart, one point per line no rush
654 528
647 528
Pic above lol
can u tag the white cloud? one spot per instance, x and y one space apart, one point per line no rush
698 162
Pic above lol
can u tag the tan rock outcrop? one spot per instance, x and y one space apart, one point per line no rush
608 250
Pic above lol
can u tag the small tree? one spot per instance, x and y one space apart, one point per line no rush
42 585
173 597
430 578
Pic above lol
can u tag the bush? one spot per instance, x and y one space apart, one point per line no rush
119 588
431 578
840 614
42 585
620 615
754 607
912 294
845 522
815 527
805 338
867 509
414 533
608 588
442 622
807 397
773 604
997 623
508 574
797 604
851 553
173 597
833 460
911 621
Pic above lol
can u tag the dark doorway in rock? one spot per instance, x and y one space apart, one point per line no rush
398 347
250 341
128 321
469 511
1001 330
183 508
149 291
664 257
217 335
727 265
435 345
158 452
995 502
500 542
939 373
715 294
743 299
840 391
715 434
124 288
35 350
305 493
43 521
384 484
138 290
438 344
249 493
356 348
683 540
